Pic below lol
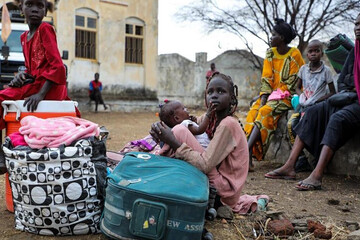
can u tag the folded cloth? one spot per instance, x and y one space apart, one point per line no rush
53 132
17 139
147 143
248 203
278 94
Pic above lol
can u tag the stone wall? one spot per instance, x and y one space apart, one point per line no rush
184 80
346 160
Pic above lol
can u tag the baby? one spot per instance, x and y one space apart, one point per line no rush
173 113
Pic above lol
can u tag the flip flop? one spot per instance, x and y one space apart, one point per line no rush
307 187
114 156
276 175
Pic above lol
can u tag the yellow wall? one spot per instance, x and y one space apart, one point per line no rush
110 63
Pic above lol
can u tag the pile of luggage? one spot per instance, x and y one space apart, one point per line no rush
70 190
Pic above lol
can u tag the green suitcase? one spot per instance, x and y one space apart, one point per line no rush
155 197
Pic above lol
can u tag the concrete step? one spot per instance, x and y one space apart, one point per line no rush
119 106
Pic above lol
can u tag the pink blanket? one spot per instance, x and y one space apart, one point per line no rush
53 132
278 95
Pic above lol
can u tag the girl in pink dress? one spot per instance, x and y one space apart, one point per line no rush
226 159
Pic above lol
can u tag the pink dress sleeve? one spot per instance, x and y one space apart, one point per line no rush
219 149
225 161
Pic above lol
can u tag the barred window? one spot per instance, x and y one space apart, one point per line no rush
85 44
85 34
134 43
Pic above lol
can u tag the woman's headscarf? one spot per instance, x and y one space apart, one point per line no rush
284 29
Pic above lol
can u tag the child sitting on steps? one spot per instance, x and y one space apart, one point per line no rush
44 77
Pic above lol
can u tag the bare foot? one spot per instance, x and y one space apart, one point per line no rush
251 166
310 181
309 184
282 173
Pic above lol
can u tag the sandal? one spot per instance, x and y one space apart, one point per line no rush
301 186
276 175
114 156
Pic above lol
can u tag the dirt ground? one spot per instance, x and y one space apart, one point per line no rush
337 203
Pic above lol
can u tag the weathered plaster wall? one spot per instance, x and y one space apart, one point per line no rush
116 75
182 79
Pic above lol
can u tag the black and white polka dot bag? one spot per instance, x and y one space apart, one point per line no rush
56 190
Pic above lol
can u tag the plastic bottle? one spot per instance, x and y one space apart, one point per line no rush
295 101
262 204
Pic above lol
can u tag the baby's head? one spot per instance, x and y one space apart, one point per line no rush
173 113
314 51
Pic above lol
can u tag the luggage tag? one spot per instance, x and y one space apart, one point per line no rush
125 182
143 156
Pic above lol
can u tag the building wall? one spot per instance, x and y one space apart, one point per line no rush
117 76
184 80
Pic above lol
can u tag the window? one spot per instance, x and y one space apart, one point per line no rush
134 39
85 34
129 29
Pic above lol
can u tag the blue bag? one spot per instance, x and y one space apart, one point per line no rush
155 197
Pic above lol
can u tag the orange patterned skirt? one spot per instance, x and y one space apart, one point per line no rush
265 118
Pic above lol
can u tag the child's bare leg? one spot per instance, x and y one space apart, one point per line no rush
254 136
288 169
96 105
102 101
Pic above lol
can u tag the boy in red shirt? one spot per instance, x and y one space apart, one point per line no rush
95 88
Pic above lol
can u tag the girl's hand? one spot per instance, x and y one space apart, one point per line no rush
193 118
33 101
211 109
161 132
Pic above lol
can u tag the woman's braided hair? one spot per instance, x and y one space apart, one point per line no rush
233 90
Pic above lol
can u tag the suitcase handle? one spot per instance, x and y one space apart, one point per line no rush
6 105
